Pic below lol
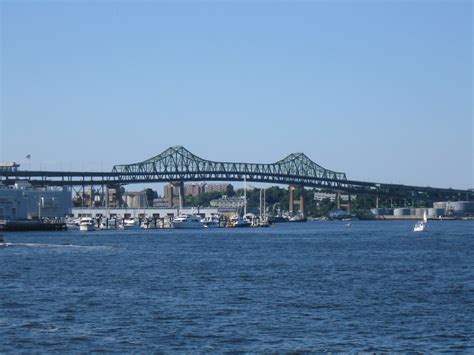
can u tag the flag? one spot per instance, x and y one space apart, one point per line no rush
28 156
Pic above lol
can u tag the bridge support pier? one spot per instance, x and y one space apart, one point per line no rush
347 204
291 189
179 187
291 208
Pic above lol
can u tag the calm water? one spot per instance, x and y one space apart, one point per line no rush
316 286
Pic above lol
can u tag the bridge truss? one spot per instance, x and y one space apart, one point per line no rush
177 164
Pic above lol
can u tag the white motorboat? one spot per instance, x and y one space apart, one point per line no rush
187 221
149 224
72 223
86 224
129 223
297 218
106 224
213 221
421 226
237 221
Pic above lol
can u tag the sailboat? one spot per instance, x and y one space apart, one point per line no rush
263 220
420 226
236 220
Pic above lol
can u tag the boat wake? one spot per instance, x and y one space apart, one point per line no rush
73 246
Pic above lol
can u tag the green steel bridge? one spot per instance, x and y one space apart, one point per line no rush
178 165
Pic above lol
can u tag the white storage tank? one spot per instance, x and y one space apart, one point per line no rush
129 201
401 212
435 212
377 211
381 211
420 212
461 207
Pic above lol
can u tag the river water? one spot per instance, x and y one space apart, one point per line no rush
315 286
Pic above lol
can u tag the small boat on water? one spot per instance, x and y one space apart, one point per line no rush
187 221
86 224
2 242
421 226
237 221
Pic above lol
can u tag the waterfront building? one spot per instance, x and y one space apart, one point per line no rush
320 196
9 166
171 195
22 202
139 212
160 202
225 202
216 188
192 189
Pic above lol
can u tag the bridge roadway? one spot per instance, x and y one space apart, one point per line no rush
176 164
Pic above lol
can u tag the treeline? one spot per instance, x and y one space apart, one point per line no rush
277 200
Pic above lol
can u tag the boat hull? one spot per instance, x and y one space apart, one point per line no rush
180 225
86 227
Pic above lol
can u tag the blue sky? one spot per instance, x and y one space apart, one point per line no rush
379 90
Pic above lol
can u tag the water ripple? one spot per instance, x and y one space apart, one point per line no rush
310 287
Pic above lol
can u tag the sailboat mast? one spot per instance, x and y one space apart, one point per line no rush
245 195
264 206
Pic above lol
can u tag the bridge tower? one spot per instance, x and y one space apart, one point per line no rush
179 187
291 208
347 205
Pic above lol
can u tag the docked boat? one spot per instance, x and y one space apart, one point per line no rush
108 224
86 224
187 221
297 218
72 223
129 223
237 221
149 224
421 226
213 221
